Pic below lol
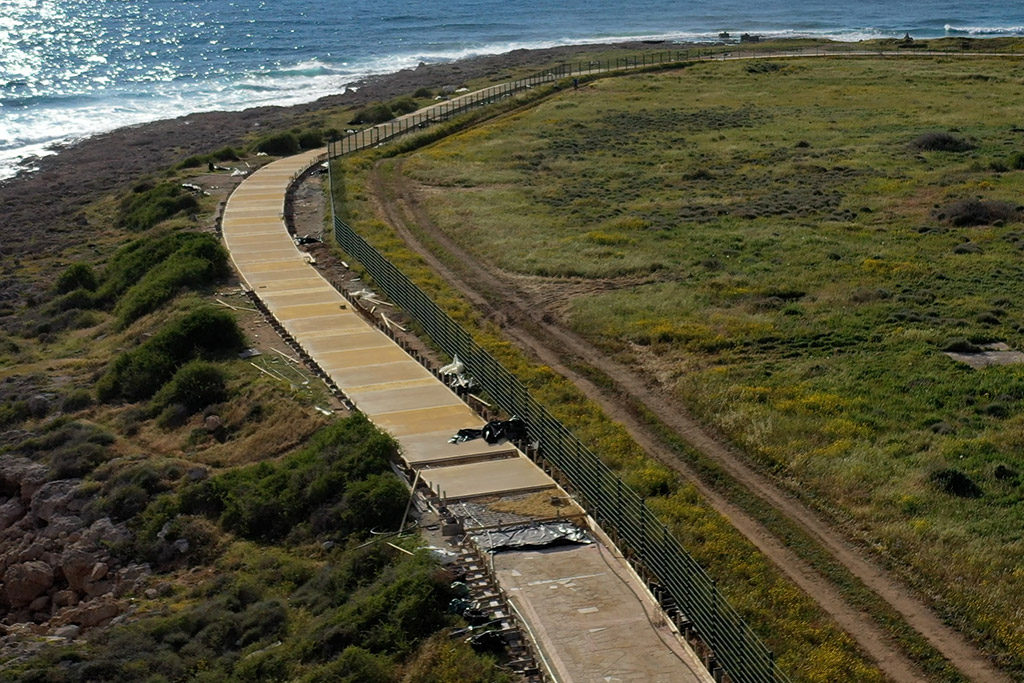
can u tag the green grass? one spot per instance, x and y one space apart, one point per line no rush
808 645
801 276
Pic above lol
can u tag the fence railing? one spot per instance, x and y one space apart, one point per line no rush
612 503
460 104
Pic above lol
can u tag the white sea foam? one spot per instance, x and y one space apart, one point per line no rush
990 31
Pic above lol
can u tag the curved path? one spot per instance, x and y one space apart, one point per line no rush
403 398
524 321
254 232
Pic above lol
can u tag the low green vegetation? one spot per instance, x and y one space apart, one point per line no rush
143 371
294 141
149 204
282 609
143 275
808 645
790 249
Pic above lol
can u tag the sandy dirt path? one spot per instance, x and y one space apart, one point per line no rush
504 301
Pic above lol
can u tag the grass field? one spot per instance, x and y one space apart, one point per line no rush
786 247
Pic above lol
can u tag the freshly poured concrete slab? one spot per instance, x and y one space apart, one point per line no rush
489 478
397 371
581 604
433 447
386 400
322 294
405 422
358 357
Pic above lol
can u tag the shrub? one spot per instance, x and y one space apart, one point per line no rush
142 210
77 399
376 113
141 372
173 416
77 276
311 139
941 142
192 162
132 263
195 385
225 154
279 144
1017 161
956 483
970 212
423 93
960 345
404 105
197 263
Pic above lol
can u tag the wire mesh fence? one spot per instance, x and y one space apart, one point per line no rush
613 504
448 109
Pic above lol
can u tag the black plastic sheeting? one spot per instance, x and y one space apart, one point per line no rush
493 432
531 536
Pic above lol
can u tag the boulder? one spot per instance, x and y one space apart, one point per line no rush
70 632
77 565
10 512
62 526
96 612
39 604
105 532
25 582
65 598
54 498
20 476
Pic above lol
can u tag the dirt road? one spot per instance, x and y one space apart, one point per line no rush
521 313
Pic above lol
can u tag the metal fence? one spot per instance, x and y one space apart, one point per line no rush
615 506
447 109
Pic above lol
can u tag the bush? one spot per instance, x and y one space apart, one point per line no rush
142 210
404 105
970 212
141 372
956 483
311 139
340 479
941 142
195 385
132 262
77 276
1017 161
225 154
76 299
77 399
423 93
279 144
376 113
197 262
13 412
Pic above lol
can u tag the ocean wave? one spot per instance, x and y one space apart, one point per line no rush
985 30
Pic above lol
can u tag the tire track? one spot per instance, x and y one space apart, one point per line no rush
507 304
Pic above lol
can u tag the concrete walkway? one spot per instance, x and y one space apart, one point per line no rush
394 391
619 640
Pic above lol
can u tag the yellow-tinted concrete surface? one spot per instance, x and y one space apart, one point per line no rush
433 447
604 637
591 625
489 478
380 379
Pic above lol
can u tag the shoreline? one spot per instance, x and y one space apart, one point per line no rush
35 204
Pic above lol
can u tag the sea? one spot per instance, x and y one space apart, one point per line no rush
74 68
